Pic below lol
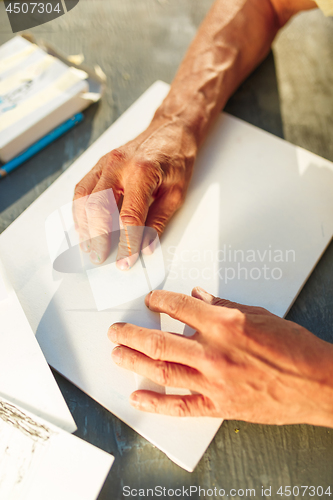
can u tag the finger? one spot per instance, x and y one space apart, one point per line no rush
160 212
100 208
129 245
82 190
156 344
162 372
195 405
194 313
150 240
201 294
137 199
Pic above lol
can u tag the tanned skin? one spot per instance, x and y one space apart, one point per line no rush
243 362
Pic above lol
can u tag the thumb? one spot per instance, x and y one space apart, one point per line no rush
201 294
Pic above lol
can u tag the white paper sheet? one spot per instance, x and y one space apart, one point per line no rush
40 461
25 377
251 192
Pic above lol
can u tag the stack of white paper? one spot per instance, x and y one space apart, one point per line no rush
25 377
38 459
257 217
37 93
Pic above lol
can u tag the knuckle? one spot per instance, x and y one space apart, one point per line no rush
133 218
132 360
211 357
123 336
177 197
206 406
92 207
236 316
133 213
177 305
226 323
80 191
159 224
127 330
181 408
261 311
150 170
162 373
231 315
116 155
154 407
156 345
109 163
147 164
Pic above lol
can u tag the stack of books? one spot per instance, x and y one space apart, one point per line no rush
38 92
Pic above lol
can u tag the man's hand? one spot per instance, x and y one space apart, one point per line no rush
242 363
149 176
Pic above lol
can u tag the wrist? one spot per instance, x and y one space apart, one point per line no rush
166 140
180 132
189 113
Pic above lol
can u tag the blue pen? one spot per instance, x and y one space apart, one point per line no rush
41 144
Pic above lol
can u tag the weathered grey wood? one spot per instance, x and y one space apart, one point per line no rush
136 43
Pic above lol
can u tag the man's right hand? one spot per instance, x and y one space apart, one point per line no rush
242 363
149 177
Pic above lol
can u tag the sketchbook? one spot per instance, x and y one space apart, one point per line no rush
25 377
40 461
257 218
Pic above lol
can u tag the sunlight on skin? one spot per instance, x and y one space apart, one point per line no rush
243 363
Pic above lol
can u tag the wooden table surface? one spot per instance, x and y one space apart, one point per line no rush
290 95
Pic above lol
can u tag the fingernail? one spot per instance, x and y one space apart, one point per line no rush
141 403
94 257
201 291
84 246
123 264
134 400
112 333
117 355
147 299
152 245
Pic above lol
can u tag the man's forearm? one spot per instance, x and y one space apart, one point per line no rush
234 38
